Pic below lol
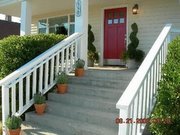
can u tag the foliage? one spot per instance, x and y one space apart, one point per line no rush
39 98
13 122
168 98
79 63
133 52
15 51
62 78
92 54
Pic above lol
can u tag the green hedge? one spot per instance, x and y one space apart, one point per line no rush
168 98
15 51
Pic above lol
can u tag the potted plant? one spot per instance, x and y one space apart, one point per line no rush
133 56
39 103
61 82
13 124
79 67
92 54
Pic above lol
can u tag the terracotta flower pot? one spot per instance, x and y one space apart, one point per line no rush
79 72
62 88
14 131
40 108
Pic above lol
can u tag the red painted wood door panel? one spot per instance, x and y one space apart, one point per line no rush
114 32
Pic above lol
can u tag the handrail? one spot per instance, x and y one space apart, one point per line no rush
137 100
33 63
38 75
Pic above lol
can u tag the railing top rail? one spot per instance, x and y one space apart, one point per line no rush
132 89
34 62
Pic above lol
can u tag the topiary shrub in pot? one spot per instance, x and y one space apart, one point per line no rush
39 103
79 67
13 125
61 82
92 53
133 56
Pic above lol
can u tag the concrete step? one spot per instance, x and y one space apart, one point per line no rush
109 93
91 116
68 125
32 128
98 82
84 101
111 74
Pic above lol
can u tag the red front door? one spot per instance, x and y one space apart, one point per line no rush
114 33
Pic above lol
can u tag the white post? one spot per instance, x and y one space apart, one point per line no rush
26 14
81 25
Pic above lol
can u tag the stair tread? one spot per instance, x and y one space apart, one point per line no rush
91 87
30 128
74 125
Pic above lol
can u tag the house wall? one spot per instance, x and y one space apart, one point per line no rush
9 28
151 18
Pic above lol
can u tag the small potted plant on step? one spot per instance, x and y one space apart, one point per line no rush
79 67
39 103
61 81
13 124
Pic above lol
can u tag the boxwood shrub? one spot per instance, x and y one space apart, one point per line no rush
168 97
15 51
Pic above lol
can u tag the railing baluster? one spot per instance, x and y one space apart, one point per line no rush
67 59
20 95
151 89
46 75
27 89
71 58
13 97
76 52
140 109
57 64
34 81
40 78
62 60
52 71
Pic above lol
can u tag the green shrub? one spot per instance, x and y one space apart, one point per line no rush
62 78
13 122
79 63
133 52
39 98
92 53
168 98
15 51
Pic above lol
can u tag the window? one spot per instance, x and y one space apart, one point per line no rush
56 24
42 25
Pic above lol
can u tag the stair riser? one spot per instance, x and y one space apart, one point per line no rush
100 83
57 125
94 92
83 116
110 107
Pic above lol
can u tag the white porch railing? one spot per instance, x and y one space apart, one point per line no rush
139 99
38 75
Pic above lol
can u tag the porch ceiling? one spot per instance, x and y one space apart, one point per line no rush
46 6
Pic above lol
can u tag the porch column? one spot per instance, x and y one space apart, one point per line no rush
26 15
81 25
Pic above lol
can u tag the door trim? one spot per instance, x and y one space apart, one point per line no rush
102 30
